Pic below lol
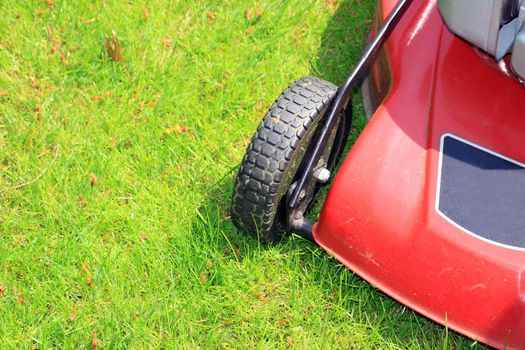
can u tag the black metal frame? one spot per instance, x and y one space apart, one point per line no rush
341 101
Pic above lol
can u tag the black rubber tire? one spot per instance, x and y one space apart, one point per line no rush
274 156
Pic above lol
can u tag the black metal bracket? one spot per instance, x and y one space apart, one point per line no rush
343 95
304 227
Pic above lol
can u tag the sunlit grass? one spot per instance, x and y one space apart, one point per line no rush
116 179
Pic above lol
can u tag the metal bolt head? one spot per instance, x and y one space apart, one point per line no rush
322 175
302 194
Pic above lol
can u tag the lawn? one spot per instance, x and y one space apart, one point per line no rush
116 178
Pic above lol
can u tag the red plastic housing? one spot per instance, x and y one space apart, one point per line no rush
380 217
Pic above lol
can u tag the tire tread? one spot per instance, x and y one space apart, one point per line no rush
258 189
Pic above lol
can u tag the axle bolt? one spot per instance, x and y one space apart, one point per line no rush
322 175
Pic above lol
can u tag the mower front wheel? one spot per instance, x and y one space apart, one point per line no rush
275 155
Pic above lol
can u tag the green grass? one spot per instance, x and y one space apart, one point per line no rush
147 256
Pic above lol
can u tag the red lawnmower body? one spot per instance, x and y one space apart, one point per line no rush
382 216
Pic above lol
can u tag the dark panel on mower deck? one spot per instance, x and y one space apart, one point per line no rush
482 192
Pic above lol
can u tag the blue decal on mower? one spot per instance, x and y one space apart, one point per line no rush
482 192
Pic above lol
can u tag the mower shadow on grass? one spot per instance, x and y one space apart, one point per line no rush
270 293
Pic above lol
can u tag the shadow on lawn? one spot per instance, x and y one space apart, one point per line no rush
381 317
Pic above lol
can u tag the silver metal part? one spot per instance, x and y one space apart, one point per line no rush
506 39
478 21
521 13
322 175
509 31
518 55
496 26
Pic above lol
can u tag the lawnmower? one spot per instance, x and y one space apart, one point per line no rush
428 205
